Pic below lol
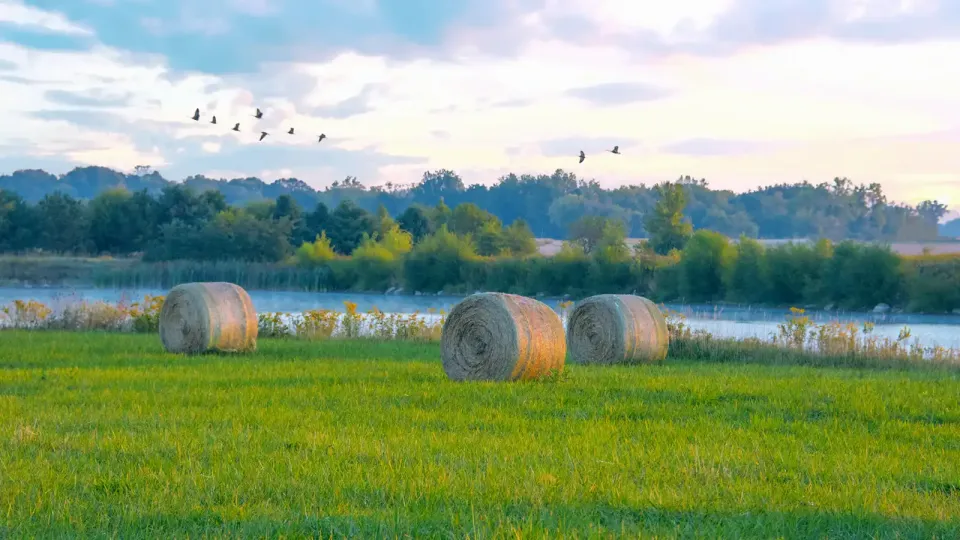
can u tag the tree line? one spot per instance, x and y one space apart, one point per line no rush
550 204
466 248
182 224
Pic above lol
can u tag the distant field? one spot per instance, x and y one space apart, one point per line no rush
105 435
549 247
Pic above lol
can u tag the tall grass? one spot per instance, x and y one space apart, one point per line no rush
798 340
131 273
848 276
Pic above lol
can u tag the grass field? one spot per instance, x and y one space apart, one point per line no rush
105 435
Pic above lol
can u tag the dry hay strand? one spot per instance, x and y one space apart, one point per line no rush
208 317
502 337
617 329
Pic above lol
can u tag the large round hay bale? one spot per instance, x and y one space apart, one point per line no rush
617 329
206 317
502 337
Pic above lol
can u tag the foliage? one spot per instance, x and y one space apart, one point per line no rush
548 203
666 228
748 275
274 243
703 265
317 252
435 263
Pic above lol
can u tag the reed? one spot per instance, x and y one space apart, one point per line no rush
798 341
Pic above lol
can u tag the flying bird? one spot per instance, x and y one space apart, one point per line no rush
616 150
582 156
236 127
322 137
259 113
196 115
214 121
290 132
263 134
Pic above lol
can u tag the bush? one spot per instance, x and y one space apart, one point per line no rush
932 284
748 276
704 262
435 263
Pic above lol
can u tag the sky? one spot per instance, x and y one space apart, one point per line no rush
743 93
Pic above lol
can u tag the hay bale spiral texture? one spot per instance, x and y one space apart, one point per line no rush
207 317
617 329
501 337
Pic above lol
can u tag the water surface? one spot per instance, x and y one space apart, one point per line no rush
721 321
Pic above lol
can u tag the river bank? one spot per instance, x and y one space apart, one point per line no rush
726 322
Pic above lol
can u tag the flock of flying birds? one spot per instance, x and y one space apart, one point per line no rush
258 115
263 134
616 150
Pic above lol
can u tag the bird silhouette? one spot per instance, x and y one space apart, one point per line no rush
263 134
616 150
236 127
290 132
322 137
214 121
259 113
582 156
196 115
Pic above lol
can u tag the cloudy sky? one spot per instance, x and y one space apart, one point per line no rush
742 92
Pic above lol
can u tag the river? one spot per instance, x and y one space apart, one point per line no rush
721 321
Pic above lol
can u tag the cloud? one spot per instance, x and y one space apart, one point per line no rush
880 21
618 93
771 91
352 106
14 12
94 98
716 147
211 147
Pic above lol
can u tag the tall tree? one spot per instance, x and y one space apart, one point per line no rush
666 228
348 225
61 223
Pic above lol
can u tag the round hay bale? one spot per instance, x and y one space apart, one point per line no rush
617 329
206 317
501 337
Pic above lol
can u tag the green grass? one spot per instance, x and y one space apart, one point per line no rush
106 435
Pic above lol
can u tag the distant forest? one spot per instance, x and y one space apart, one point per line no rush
550 204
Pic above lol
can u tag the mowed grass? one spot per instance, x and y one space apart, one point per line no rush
106 435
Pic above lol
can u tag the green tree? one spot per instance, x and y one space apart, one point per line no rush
666 228
436 262
704 262
860 276
178 202
396 240
468 218
385 222
348 224
518 239
490 239
61 223
317 221
589 230
315 253
16 223
611 247
286 208
113 222
415 221
440 215
748 279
